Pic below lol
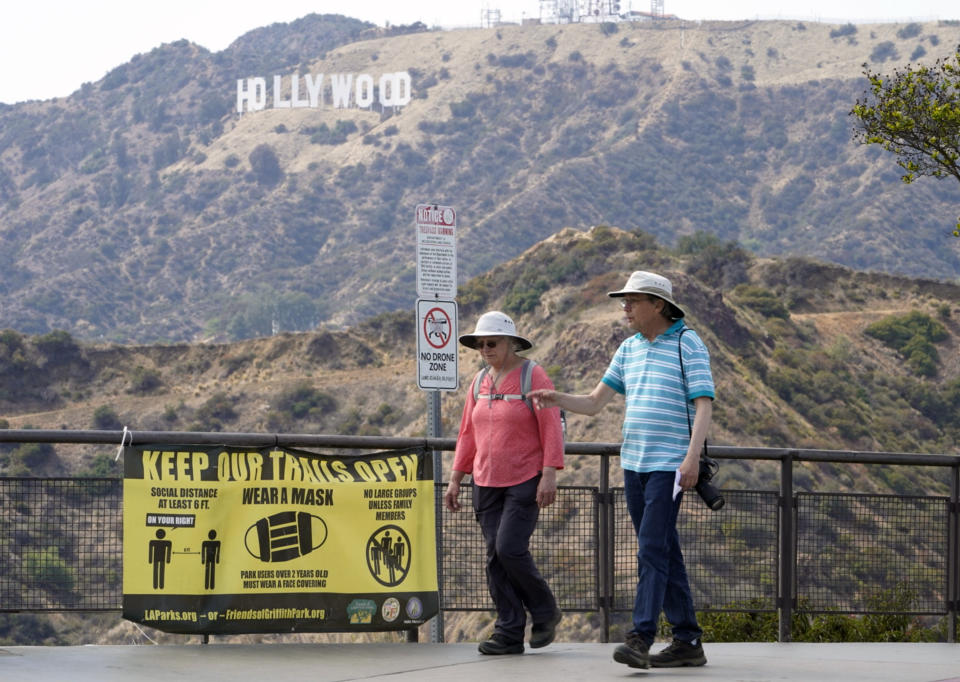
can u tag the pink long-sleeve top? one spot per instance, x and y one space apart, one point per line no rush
501 442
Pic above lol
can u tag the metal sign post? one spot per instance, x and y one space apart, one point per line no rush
436 340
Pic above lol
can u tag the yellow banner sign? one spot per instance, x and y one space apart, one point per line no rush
234 540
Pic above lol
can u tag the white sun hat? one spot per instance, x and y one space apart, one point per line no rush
494 323
643 282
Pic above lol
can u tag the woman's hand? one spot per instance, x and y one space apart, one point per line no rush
547 489
450 498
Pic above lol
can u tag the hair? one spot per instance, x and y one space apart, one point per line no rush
670 311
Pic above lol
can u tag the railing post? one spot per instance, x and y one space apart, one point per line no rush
953 554
786 550
605 548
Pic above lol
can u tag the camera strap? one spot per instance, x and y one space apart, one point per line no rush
683 376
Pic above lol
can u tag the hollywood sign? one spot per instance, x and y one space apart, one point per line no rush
340 90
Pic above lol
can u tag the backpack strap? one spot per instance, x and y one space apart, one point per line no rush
526 382
477 380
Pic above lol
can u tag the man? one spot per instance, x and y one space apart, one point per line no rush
660 448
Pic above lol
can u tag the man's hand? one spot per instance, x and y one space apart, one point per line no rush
543 398
689 471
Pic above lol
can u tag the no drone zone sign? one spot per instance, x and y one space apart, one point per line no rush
437 345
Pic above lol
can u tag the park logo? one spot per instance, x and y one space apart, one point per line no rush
360 611
390 609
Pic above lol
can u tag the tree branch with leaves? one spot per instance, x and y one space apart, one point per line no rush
915 113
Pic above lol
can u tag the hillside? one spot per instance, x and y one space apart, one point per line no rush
798 347
143 208
799 352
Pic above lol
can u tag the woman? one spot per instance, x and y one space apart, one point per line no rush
513 453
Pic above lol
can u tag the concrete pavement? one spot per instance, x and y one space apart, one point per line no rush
873 662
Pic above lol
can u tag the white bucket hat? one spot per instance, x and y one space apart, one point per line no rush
494 323
643 282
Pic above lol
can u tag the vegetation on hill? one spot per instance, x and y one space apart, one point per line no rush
143 208
805 354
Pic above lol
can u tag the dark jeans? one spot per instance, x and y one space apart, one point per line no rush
661 576
507 518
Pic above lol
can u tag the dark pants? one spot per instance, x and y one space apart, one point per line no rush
661 575
507 518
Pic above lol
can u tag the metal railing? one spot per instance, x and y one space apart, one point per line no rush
777 551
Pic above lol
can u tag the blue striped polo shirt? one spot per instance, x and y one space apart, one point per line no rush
655 431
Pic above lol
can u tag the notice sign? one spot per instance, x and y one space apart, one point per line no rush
436 252
437 345
255 540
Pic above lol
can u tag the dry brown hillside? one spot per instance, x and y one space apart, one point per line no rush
144 208
792 363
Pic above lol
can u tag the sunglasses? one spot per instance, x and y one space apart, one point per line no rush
489 343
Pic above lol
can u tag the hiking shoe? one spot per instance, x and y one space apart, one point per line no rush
634 652
543 633
498 645
679 653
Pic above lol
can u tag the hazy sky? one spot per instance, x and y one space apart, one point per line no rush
48 48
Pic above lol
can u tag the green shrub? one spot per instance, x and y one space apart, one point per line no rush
143 380
524 297
385 415
266 166
845 30
102 466
911 30
762 300
27 629
47 569
717 263
217 408
105 417
763 625
913 336
897 330
304 401
739 626
28 458
884 51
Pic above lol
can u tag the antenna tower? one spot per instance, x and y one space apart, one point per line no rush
656 9
489 17
559 11
600 10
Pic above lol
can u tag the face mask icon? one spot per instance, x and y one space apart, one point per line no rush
285 535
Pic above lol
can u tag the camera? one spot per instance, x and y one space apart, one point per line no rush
706 490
